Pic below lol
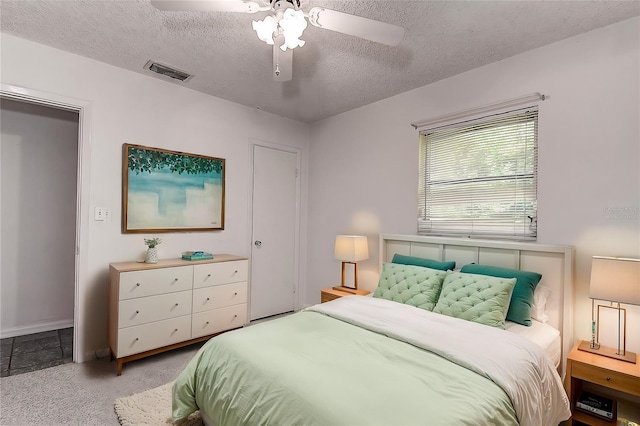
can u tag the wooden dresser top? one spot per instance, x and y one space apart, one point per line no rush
169 263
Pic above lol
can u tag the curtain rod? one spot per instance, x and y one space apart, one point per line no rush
479 110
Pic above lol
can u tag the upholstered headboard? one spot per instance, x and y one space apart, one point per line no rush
555 263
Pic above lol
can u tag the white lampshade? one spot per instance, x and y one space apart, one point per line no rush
615 279
351 248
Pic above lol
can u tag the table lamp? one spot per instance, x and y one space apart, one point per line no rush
617 280
350 249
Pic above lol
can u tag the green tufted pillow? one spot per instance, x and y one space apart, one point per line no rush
477 298
522 297
411 285
420 261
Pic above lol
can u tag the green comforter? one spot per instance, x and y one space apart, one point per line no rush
312 369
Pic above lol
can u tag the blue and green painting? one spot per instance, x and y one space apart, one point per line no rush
168 190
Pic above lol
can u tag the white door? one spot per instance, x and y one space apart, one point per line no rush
273 251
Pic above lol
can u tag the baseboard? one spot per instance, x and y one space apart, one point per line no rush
103 353
93 355
87 356
35 328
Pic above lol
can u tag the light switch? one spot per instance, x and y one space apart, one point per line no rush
102 214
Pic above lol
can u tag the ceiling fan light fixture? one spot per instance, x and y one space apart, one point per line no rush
293 25
266 28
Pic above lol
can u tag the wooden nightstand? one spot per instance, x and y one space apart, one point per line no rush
617 380
328 294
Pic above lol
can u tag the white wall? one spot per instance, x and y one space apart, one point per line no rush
364 163
127 107
39 155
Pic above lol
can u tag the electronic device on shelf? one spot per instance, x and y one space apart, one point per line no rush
597 405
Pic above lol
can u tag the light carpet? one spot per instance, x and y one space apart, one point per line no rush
84 394
151 408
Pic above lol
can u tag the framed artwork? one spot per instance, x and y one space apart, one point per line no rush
170 191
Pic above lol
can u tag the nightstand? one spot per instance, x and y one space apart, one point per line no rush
612 378
328 294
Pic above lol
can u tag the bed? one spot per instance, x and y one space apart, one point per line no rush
373 360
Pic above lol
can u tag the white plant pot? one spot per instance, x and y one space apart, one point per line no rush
152 255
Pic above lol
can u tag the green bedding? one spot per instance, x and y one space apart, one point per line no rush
311 369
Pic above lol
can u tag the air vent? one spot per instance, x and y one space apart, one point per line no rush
167 71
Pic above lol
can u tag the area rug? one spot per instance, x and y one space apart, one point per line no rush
151 408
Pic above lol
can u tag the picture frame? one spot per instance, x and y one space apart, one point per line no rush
171 191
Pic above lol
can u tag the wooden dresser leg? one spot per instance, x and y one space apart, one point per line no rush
119 367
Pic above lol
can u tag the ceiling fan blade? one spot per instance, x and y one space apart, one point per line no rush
245 6
282 61
368 29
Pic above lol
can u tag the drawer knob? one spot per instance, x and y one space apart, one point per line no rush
235 294
208 299
137 312
136 339
235 316
208 275
235 272
177 304
207 323
137 284
175 330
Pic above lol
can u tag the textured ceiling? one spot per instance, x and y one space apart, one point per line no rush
333 72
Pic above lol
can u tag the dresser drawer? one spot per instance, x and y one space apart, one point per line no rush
153 335
209 274
218 320
219 296
155 281
610 379
142 310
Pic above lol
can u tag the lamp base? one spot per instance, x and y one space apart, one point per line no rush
608 352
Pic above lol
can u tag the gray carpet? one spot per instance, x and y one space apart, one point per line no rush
84 394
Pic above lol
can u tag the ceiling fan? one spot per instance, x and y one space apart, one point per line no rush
286 21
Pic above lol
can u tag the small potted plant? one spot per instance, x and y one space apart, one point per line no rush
152 251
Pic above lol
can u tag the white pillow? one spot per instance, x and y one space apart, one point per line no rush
538 307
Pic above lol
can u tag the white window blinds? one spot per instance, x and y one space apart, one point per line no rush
479 178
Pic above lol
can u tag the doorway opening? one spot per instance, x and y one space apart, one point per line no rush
51 319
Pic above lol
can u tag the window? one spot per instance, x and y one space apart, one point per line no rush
479 178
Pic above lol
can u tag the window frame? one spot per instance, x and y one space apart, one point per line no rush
498 221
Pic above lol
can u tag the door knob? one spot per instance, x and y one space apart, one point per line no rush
258 243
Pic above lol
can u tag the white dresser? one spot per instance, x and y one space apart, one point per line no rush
173 303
